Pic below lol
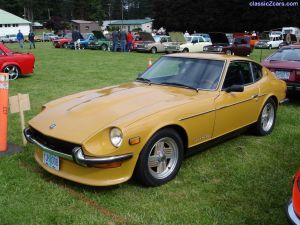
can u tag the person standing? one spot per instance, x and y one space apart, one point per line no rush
76 39
31 40
123 37
20 38
115 39
129 41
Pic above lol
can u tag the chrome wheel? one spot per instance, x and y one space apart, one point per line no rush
104 47
228 52
13 71
153 50
163 158
267 117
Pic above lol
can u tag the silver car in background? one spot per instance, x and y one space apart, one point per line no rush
152 44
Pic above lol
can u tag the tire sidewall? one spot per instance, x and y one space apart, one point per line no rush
153 50
260 131
17 70
142 171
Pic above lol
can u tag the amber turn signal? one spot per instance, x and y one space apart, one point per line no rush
134 141
108 165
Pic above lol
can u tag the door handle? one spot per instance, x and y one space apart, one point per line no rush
255 96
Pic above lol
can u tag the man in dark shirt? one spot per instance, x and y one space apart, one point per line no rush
31 40
76 39
115 39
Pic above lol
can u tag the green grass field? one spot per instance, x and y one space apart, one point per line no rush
245 180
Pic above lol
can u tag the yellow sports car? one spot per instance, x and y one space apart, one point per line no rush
146 127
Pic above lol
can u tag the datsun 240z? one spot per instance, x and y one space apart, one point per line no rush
146 127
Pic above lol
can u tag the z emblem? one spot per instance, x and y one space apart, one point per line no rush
52 126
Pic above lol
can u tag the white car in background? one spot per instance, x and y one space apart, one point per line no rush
273 42
187 44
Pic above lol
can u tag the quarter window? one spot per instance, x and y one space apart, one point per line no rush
257 71
238 73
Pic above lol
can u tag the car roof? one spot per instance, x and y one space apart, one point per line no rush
291 46
212 56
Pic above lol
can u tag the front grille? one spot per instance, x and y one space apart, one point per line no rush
52 143
172 47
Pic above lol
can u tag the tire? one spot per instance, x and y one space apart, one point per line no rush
153 50
185 50
65 45
104 47
228 52
13 71
155 166
267 118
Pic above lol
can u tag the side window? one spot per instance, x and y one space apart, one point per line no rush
257 71
201 39
238 73
195 40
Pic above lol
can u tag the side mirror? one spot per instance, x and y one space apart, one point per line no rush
234 88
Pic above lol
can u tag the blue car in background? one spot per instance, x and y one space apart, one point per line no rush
87 38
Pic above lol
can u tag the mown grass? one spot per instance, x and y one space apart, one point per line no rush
245 180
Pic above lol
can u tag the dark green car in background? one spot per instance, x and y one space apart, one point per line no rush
101 42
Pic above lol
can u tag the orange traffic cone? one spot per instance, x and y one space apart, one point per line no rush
3 110
149 63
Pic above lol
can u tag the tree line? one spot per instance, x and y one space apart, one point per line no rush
174 15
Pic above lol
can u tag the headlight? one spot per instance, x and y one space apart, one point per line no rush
116 137
205 49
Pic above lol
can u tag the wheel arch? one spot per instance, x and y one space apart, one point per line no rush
180 130
12 64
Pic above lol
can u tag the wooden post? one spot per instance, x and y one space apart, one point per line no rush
19 104
22 121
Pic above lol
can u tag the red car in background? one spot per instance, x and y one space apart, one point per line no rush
138 39
220 43
15 63
285 63
293 208
62 42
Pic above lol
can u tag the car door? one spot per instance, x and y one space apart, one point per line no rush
234 109
194 46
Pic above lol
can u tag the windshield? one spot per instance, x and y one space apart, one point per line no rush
286 54
188 39
185 72
156 38
68 35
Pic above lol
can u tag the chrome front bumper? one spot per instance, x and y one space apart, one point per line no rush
293 218
77 153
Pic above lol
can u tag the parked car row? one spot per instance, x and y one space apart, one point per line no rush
176 42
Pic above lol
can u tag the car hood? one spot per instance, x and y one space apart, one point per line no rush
218 38
281 64
80 116
5 49
177 37
146 36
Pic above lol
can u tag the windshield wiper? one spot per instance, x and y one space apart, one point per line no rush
145 80
180 85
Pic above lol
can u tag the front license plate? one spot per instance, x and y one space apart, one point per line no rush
283 75
51 160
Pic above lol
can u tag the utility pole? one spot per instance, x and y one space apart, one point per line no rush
122 13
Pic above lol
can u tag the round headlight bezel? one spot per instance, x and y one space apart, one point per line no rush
116 136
